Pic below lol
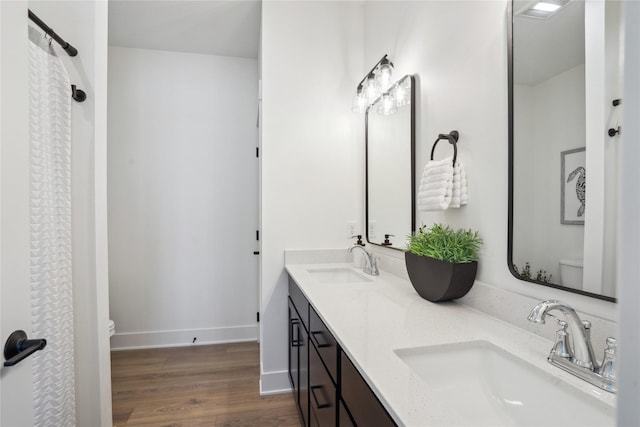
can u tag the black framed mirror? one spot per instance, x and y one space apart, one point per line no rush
562 226
390 168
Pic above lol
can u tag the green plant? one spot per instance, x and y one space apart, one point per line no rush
541 275
526 270
443 243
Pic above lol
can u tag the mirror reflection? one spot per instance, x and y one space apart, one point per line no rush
390 168
564 164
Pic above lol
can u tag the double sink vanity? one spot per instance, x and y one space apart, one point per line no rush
367 350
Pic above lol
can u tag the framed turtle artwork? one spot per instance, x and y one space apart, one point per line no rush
573 186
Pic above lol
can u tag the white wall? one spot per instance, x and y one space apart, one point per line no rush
458 49
84 25
556 123
312 164
182 197
629 244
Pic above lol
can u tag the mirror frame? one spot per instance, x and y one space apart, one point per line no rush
511 172
412 106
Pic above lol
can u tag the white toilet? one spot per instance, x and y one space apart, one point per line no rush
571 273
112 328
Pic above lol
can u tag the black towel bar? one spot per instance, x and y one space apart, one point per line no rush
452 137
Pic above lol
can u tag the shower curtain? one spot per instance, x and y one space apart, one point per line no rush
50 222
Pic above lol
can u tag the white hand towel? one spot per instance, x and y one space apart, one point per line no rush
459 195
436 185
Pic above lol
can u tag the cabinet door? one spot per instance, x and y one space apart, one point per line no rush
294 338
364 406
304 374
344 417
322 391
324 342
300 302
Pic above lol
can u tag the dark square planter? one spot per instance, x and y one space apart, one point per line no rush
436 280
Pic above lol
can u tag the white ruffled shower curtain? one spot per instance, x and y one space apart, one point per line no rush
50 221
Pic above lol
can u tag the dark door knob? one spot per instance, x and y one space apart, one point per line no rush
18 347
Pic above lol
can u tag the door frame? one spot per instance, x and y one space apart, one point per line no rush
16 395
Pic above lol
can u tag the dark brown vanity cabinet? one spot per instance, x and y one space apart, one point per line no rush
299 362
363 406
327 387
323 372
322 392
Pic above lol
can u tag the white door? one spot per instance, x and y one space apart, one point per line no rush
16 402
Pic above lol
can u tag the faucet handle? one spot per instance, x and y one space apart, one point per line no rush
608 367
611 343
561 347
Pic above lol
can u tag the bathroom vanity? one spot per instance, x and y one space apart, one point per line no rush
326 386
367 350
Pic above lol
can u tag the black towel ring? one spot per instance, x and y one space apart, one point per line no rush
452 137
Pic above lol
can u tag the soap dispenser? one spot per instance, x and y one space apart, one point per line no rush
359 241
387 242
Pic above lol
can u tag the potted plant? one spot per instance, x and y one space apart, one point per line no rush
442 262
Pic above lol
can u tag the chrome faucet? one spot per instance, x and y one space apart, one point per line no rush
371 266
573 351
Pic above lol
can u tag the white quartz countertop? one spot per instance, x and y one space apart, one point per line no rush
370 320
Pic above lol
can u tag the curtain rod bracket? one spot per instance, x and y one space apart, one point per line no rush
78 94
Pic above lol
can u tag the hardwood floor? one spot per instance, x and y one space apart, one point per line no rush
213 385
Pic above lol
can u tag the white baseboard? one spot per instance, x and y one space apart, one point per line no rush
178 338
274 383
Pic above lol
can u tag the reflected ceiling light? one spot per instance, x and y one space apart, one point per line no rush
544 9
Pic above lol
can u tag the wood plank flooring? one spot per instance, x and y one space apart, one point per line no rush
213 385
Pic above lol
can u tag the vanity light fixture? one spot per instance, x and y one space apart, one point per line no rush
372 85
543 9
398 95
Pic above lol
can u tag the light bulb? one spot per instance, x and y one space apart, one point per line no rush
387 105
383 74
401 92
370 90
359 102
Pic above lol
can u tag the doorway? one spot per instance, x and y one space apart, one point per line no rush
183 177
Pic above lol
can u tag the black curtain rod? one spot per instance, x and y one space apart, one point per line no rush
72 51
77 94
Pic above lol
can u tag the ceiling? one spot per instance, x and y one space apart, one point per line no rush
214 27
544 48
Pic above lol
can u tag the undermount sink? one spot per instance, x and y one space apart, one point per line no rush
490 386
337 275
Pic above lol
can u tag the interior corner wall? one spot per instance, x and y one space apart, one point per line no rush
83 24
458 49
551 129
312 149
182 181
